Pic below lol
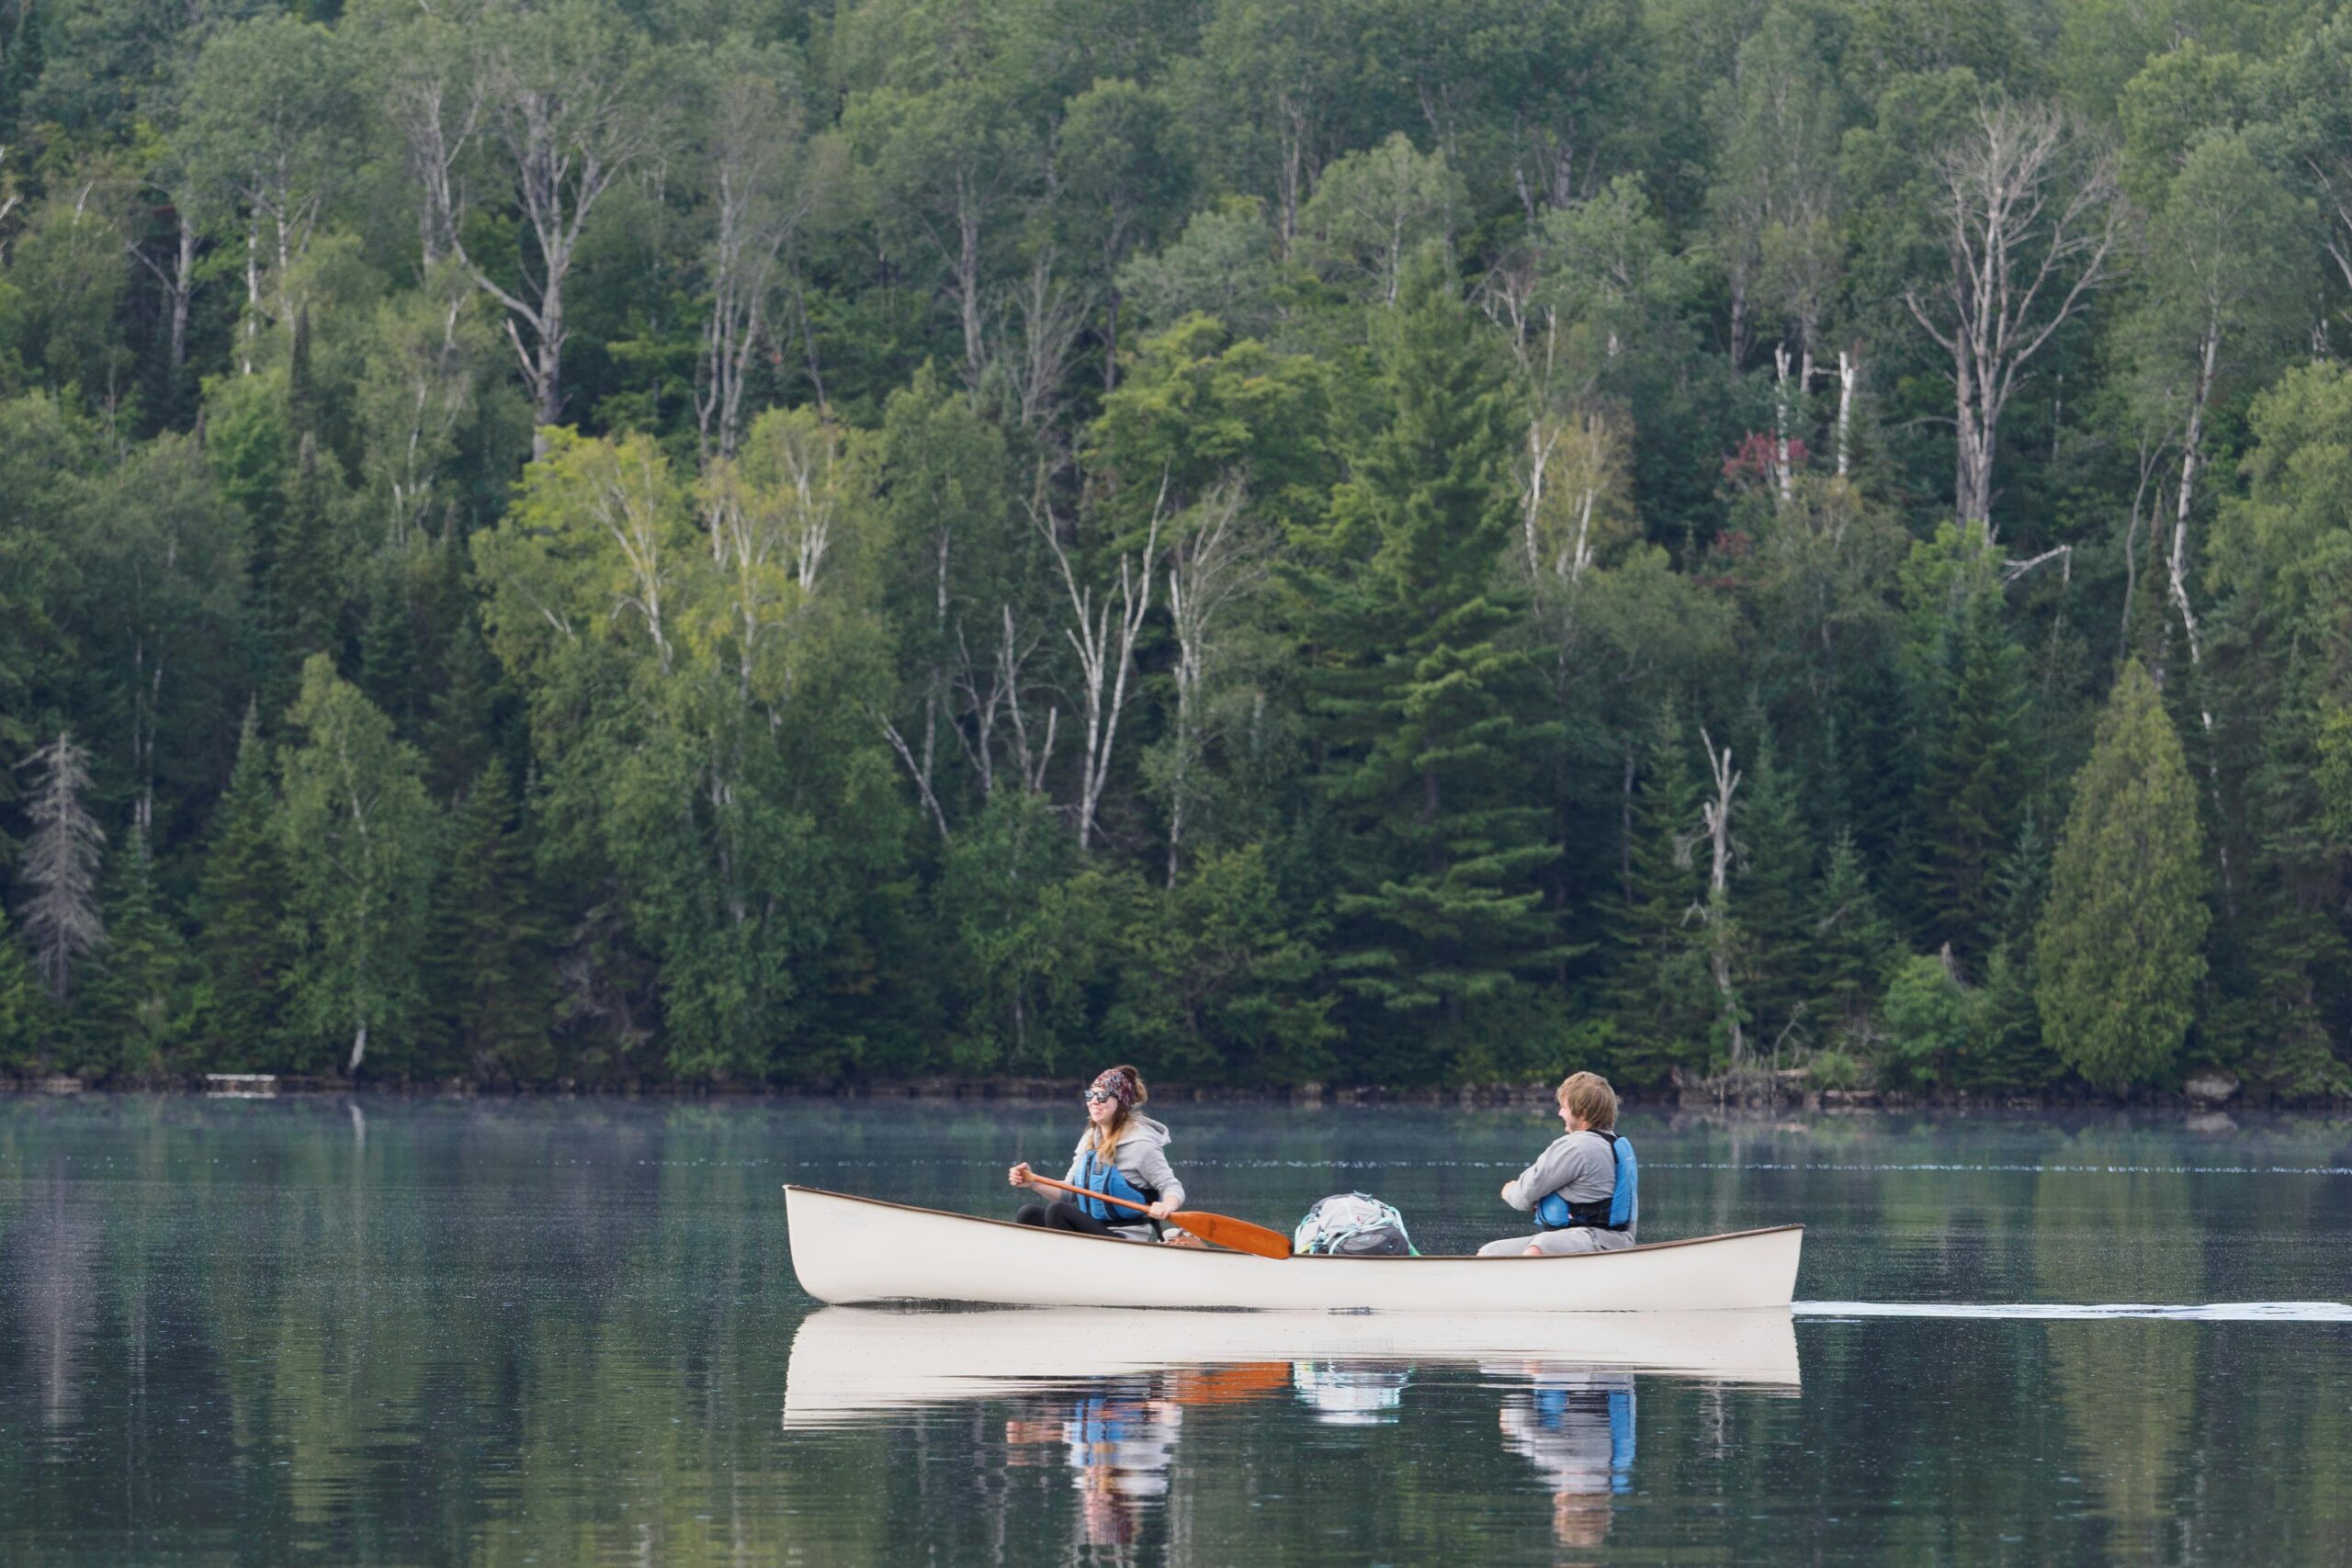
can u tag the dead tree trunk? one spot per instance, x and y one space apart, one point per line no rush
2026 237
1714 914
63 923
1105 655
1209 571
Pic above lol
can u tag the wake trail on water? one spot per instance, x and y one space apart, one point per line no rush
2210 1312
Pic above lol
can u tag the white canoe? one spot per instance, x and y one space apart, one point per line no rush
849 1249
854 1363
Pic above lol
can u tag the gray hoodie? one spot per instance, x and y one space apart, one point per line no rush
1142 1158
1580 1166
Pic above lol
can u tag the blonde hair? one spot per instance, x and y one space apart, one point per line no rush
1107 1135
1589 1095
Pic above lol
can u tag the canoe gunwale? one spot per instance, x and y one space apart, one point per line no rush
1297 1256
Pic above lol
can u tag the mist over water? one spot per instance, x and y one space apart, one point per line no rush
391 1332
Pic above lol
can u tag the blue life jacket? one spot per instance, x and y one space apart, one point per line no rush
1555 1405
1614 1212
1100 1420
1091 1170
1620 1441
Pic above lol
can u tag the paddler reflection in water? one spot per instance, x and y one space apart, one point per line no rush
1581 1192
1119 1442
1121 1152
1576 1427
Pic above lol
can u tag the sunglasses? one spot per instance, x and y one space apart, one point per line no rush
1098 1097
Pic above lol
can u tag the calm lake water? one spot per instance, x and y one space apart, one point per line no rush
393 1331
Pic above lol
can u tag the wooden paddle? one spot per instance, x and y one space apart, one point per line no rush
1239 1235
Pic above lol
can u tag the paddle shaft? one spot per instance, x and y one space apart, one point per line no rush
1037 1181
1219 1229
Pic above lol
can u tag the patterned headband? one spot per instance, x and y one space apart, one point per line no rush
1118 1085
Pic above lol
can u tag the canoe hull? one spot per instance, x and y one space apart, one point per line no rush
848 1249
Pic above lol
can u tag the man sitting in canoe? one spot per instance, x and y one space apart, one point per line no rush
1581 1189
1120 1153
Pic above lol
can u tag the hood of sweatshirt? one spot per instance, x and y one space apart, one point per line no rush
1144 1128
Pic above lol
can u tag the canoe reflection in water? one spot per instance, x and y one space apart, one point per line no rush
1108 1392
1576 1426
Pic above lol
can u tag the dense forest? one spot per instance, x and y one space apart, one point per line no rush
626 542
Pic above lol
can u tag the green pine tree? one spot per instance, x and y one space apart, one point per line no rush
1777 872
20 1003
1421 703
1974 781
389 667
241 910
486 966
460 721
304 600
2006 1051
1850 943
1659 988
2120 949
132 1012
301 385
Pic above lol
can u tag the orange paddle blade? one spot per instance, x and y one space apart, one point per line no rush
1239 1235
1235 1384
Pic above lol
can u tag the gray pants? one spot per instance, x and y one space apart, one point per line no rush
1554 1244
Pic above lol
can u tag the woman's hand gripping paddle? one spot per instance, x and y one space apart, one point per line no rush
1220 1230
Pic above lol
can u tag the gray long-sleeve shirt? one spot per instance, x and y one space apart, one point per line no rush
1580 1166
1142 1158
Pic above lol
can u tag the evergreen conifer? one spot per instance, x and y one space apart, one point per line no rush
241 912
1658 987
1974 783
2120 949
1424 701
21 1002
485 962
1850 943
301 572
131 1012
2006 1051
390 668
1776 873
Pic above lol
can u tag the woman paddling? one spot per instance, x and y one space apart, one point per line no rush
1122 1153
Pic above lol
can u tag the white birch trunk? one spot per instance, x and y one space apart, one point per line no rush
1783 477
1714 914
1206 574
1849 371
1105 658
2191 457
